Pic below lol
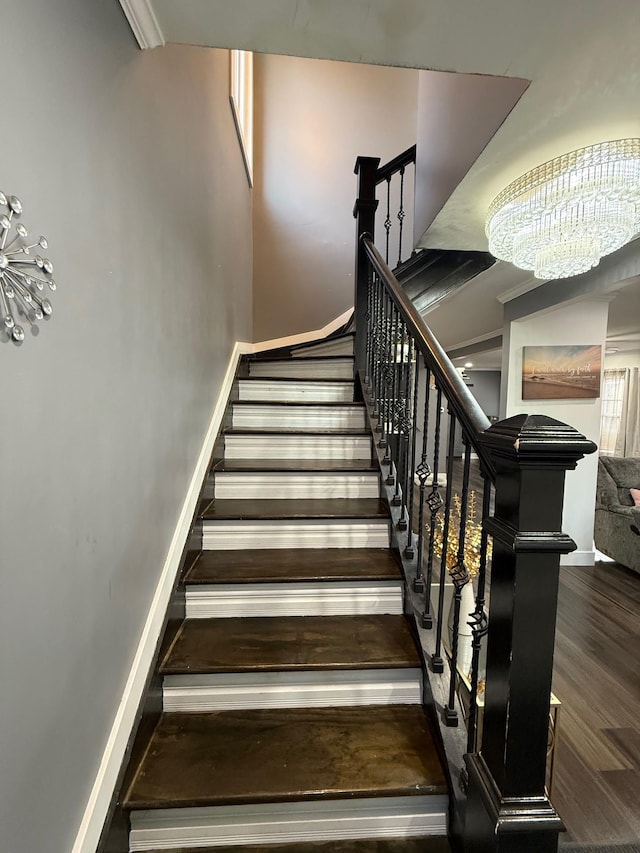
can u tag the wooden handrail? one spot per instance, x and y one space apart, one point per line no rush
393 166
464 404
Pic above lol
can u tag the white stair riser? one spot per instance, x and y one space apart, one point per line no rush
298 417
317 689
295 391
264 823
297 447
340 347
312 598
337 533
231 484
304 368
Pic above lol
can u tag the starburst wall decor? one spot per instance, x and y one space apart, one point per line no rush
23 275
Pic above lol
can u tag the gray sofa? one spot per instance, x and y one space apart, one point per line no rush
617 525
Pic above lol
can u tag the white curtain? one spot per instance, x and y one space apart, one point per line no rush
611 398
628 440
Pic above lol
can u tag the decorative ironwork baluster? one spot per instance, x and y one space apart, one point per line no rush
479 624
409 551
423 472
404 419
369 321
435 504
377 346
437 662
401 215
387 221
460 577
382 374
393 400
387 378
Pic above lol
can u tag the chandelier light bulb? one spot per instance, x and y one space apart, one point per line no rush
560 218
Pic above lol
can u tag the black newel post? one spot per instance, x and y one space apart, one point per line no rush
364 212
508 810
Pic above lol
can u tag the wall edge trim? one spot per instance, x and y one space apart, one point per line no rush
578 558
303 337
142 20
96 810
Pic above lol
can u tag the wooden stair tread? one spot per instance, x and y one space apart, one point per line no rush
290 643
293 564
430 844
292 754
319 465
294 508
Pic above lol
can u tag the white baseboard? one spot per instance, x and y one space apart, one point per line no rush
312 689
215 826
301 598
97 806
335 533
295 485
303 337
578 558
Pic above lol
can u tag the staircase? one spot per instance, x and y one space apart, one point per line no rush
293 715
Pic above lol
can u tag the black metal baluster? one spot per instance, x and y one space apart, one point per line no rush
387 221
437 662
387 380
377 347
409 551
401 215
404 421
435 504
422 472
381 427
369 321
396 410
393 401
479 623
460 577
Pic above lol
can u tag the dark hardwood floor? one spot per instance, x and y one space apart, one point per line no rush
596 785
597 679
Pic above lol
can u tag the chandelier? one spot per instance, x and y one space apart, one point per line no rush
560 218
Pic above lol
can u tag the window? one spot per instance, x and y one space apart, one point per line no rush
241 96
612 396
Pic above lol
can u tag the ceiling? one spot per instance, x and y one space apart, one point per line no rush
581 57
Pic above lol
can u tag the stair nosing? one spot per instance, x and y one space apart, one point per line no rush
322 404
301 379
288 509
338 431
258 465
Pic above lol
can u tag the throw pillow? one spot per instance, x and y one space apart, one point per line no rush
635 494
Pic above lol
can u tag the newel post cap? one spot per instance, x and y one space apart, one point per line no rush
537 441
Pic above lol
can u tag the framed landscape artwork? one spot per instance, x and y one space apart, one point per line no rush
561 373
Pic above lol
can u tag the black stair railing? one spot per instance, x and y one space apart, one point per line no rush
512 475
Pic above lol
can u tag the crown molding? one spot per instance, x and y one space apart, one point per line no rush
520 289
142 20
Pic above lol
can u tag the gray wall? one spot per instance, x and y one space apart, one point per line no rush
485 387
313 118
128 162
